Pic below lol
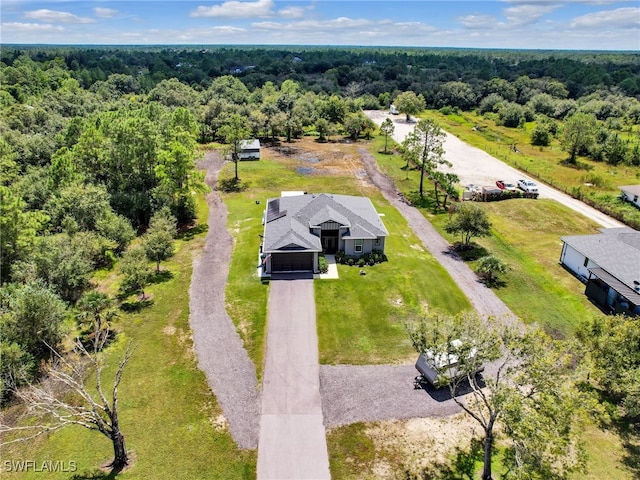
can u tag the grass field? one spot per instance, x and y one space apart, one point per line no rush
171 420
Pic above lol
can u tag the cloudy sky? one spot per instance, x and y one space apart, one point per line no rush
560 24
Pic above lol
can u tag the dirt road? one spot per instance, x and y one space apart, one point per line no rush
475 166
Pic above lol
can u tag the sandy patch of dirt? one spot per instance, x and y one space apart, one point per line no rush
309 157
414 444
169 330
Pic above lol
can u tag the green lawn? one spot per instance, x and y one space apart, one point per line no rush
359 317
168 414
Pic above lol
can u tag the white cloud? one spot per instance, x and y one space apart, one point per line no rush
628 17
18 27
236 9
53 16
527 13
335 24
105 12
478 22
292 12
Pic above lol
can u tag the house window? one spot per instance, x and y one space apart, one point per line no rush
635 198
586 261
358 246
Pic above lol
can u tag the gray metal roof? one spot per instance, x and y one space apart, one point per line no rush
632 189
629 293
615 250
289 220
251 144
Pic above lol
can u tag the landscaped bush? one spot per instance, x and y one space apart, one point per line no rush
376 256
323 266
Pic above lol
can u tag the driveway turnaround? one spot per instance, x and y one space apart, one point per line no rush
292 441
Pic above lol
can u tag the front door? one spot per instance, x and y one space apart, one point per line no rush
330 244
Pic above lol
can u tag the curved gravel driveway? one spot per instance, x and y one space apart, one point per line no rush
221 354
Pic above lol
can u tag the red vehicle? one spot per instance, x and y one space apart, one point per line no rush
502 185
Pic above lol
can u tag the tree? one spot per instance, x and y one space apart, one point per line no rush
578 134
410 104
135 270
423 146
470 220
525 388
18 229
540 135
65 399
95 312
61 261
387 129
356 123
611 344
235 131
31 317
489 267
158 241
455 94
323 128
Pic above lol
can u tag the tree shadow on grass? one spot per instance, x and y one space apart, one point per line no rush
628 432
462 465
137 306
469 253
189 233
495 283
426 201
96 474
161 276
577 165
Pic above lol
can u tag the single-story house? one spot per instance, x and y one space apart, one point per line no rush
609 263
299 227
631 193
250 149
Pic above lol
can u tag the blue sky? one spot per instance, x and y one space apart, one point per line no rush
561 24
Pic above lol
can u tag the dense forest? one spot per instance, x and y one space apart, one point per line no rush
98 144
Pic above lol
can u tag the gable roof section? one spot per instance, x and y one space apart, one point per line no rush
290 219
328 214
615 250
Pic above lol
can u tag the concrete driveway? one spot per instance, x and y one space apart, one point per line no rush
292 441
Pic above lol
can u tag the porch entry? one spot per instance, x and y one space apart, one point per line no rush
330 241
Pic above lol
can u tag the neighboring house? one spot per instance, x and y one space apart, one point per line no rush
250 149
631 194
299 227
609 263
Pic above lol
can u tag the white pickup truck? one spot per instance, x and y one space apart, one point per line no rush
440 368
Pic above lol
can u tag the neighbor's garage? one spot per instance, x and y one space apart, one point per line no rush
294 261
